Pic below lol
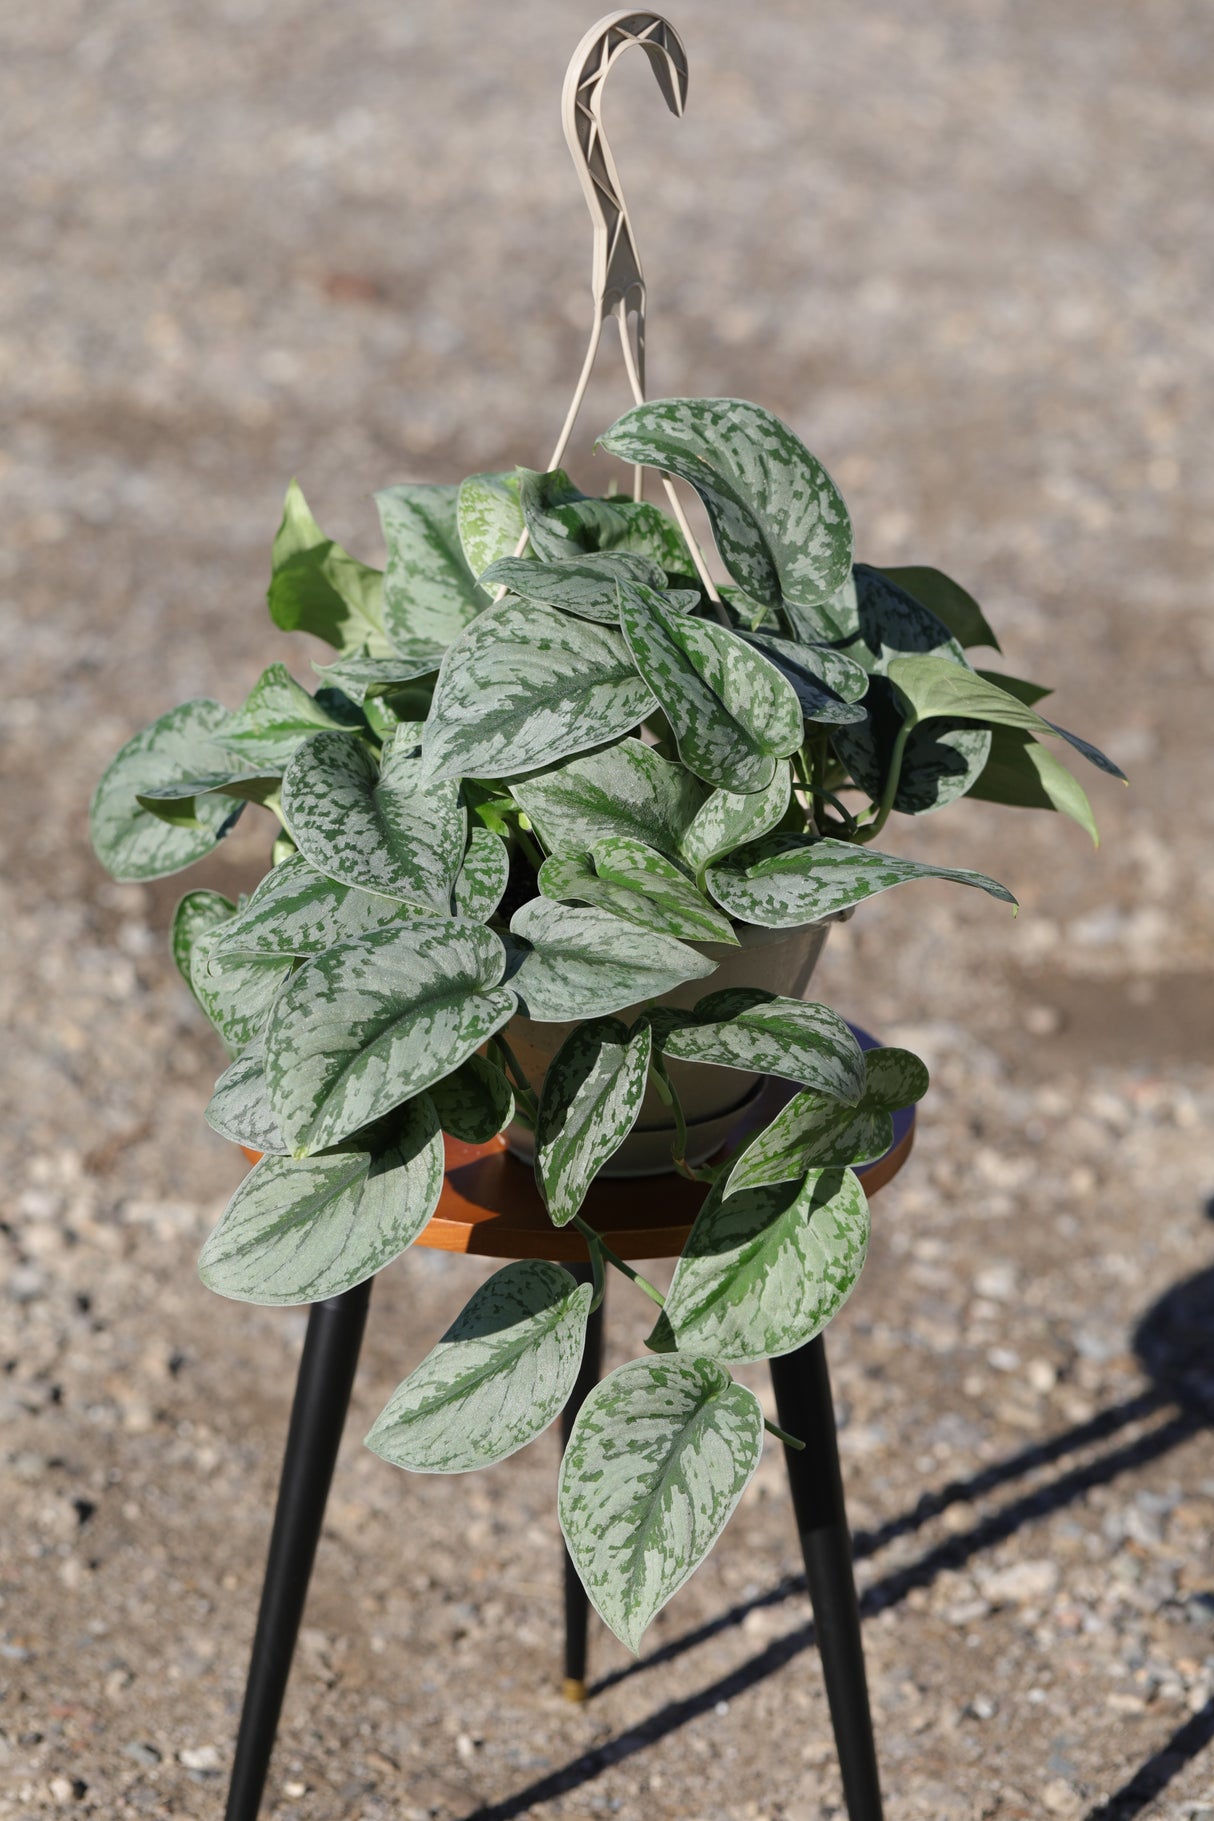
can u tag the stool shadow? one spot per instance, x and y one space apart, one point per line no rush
1174 1342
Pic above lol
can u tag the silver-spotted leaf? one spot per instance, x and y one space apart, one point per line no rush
586 585
745 1028
894 1079
129 840
565 524
585 963
375 1020
196 915
240 1109
779 520
626 789
235 991
636 882
732 712
660 1454
366 679
489 518
430 593
784 881
764 1269
728 819
277 714
482 876
812 1132
827 684
475 1102
589 1103
298 911
527 685
499 1375
300 1230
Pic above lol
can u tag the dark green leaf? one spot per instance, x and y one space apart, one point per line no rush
949 602
316 587
475 1102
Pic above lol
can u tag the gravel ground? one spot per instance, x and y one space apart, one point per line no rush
965 250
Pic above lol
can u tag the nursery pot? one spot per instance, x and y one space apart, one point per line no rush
777 960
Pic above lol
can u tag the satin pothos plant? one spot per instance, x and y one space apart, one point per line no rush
549 769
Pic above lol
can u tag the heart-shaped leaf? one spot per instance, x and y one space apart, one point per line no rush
132 843
587 963
366 679
660 1454
564 523
277 715
316 587
297 1231
499 1375
525 686
482 877
942 760
430 593
240 1109
589 1103
779 520
1023 773
812 1131
732 713
587 585
728 819
489 519
375 1020
745 1028
475 1102
765 1269
178 803
388 830
948 600
626 789
636 882
299 911
787 880
827 684
236 992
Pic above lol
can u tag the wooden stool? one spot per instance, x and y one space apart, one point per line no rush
489 1206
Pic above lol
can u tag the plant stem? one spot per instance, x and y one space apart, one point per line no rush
524 1093
892 780
670 1096
782 1435
613 1258
528 846
595 1248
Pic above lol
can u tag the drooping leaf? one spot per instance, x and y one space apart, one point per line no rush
812 1131
482 876
784 881
948 600
779 520
732 712
588 586
765 1269
489 518
475 1102
300 1230
932 686
430 593
178 804
377 1019
132 843
236 992
564 523
626 789
316 587
746 1028
589 1103
526 685
587 963
660 1454
1020 687
499 1375
1023 773
365 679
240 1109
636 882
387 830
943 759
196 916
276 716
298 911
728 819
828 685
871 620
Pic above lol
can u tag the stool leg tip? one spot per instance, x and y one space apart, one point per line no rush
573 1689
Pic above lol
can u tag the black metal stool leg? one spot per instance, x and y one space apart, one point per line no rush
577 1606
803 1404
318 1414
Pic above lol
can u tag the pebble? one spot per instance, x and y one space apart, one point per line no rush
200 1757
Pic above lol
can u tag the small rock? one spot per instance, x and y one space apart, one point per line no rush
981 1708
141 1752
200 1757
1019 1584
1058 1798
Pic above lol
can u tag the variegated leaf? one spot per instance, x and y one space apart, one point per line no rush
235 991
827 684
765 1269
588 586
660 1454
871 620
297 1231
390 831
377 1019
787 880
132 843
489 518
779 520
365 679
728 819
732 713
589 1103
746 1028
316 587
299 911
587 963
430 593
276 716
499 1375
1021 772
482 877
625 789
934 687
811 1132
942 759
564 523
178 803
196 916
475 1102
894 1079
525 686
240 1109
636 882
